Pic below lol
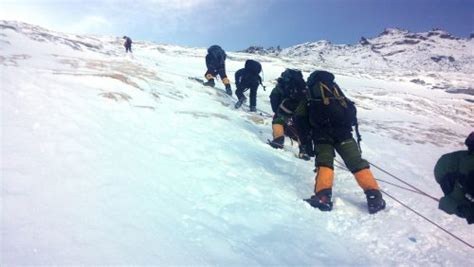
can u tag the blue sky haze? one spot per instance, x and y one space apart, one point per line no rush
237 24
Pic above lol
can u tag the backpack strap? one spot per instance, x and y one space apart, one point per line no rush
341 98
323 87
335 92
285 109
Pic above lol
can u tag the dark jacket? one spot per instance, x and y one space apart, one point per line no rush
276 97
455 174
215 64
128 42
245 79
279 97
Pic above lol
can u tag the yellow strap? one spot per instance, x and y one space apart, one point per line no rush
322 86
341 99
334 92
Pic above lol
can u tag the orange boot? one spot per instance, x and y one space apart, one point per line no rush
278 136
323 189
366 180
278 130
324 179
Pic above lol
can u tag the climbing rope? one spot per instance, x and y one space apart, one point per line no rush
415 190
428 220
401 180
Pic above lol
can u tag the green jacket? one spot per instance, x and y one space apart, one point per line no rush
459 164
276 97
283 106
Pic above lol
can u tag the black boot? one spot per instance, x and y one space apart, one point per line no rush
375 201
322 200
240 102
253 109
303 154
210 83
228 89
277 142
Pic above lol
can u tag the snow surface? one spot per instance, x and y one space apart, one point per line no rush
109 158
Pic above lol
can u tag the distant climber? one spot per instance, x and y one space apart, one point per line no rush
286 98
330 116
245 79
215 62
127 44
454 172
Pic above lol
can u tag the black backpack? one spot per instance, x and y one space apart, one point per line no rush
293 85
327 105
253 66
217 53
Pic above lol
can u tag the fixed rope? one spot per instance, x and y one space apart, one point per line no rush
415 190
428 220
401 180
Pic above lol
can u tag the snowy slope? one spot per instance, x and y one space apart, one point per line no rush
113 159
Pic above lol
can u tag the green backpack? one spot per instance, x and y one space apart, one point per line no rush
292 84
327 104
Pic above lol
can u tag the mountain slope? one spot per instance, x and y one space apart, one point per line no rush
434 59
108 159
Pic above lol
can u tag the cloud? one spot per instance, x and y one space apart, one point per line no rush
174 21
197 16
22 11
174 5
90 24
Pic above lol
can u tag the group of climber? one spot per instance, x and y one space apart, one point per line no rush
316 114
247 78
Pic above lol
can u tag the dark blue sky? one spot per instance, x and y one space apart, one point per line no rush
345 21
237 24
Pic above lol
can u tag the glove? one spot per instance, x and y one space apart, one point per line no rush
447 183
